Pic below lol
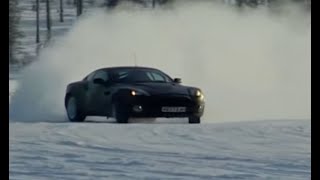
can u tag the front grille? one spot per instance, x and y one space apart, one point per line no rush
152 105
172 100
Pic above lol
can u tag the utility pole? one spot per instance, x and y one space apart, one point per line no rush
61 10
48 18
37 12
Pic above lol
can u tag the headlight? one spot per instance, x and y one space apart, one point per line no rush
133 93
197 93
138 93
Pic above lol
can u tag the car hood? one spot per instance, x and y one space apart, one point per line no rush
162 88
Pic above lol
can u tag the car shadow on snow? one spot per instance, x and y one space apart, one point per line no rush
141 121
103 120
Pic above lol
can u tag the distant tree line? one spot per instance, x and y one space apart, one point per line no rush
14 33
14 13
254 3
114 3
239 3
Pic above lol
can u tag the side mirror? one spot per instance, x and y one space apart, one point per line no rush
177 80
99 81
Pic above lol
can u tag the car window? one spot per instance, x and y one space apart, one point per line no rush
119 76
89 77
150 75
138 75
102 75
158 77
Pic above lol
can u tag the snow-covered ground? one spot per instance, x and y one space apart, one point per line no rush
105 150
246 150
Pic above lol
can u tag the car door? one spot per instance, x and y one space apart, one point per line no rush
99 93
88 86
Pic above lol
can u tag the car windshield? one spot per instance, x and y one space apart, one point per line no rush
137 75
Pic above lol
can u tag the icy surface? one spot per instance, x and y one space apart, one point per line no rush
242 150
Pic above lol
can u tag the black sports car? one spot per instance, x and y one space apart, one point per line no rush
124 92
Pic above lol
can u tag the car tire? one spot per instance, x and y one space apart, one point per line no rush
120 114
74 112
194 120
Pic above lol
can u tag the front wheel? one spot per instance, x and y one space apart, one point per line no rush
73 110
119 113
194 120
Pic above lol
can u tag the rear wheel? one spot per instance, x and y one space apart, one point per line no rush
119 113
74 111
194 120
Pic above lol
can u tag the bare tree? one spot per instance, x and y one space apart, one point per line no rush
37 22
14 33
79 7
153 3
61 10
48 18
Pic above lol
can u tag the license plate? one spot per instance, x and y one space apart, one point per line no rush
173 109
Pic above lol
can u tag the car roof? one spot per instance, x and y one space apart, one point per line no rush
126 67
